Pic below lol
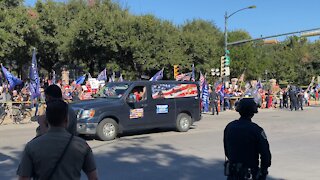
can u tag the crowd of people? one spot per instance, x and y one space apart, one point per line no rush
19 97
291 97
70 92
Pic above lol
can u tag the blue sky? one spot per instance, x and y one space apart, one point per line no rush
269 18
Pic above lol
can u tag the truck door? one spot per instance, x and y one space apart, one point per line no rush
137 107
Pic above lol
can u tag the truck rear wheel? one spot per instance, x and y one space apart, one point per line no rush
107 129
183 122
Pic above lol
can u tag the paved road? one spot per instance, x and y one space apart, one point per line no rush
197 154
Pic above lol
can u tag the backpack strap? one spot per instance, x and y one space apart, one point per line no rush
60 158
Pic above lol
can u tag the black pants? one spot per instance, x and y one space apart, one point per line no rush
214 107
285 103
293 104
300 103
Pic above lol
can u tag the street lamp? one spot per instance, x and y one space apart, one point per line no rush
226 17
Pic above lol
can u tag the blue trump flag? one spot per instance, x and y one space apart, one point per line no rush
13 81
81 79
157 76
205 96
102 75
34 85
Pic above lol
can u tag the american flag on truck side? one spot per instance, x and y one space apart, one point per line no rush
174 91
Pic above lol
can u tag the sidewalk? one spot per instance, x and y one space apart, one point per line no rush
11 126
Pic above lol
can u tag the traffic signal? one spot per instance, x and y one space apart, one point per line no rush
225 62
175 71
222 61
227 58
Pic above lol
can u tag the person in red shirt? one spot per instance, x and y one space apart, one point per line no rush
137 95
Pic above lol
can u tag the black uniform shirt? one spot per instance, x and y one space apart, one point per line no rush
244 141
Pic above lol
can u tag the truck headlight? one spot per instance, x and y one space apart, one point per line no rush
87 113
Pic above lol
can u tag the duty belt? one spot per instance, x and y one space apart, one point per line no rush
242 172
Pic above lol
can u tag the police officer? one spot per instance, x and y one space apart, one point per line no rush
300 98
293 98
285 99
244 141
213 101
57 154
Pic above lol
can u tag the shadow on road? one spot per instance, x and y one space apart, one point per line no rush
131 133
130 158
9 163
134 161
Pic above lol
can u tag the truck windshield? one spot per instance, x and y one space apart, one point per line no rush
113 90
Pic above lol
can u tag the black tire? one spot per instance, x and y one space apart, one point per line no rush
183 122
107 129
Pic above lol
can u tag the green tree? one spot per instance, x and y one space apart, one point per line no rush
242 56
202 43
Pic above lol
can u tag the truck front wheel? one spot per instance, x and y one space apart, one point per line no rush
107 129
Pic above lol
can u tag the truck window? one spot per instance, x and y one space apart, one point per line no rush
138 93
113 90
